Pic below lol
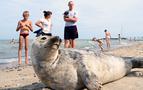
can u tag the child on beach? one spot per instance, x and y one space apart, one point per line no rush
44 24
24 25
99 41
70 30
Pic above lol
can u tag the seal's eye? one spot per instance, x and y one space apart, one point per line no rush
43 38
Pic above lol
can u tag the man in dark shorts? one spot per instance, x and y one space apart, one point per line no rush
70 32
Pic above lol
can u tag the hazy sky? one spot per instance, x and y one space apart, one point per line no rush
117 16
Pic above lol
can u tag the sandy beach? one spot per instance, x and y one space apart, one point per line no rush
14 77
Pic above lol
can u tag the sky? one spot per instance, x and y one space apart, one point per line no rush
117 16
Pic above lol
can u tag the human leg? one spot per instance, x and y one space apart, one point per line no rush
108 43
20 49
26 49
100 45
67 43
72 43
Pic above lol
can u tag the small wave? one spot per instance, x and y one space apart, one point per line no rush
8 60
124 43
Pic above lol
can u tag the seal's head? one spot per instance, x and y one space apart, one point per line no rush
45 46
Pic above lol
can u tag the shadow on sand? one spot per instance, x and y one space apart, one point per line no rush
34 86
41 86
136 73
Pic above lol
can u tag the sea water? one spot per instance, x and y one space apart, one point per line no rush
9 50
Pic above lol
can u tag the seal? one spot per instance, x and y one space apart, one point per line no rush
73 69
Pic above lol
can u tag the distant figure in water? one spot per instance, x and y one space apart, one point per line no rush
24 26
12 41
100 43
107 37
134 38
119 37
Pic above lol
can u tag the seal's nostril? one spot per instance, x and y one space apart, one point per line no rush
60 40
57 37
43 38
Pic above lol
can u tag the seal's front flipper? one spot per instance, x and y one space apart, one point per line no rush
91 81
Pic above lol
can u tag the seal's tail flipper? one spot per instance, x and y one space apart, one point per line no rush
137 62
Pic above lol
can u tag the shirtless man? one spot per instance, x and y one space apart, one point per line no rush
24 26
107 37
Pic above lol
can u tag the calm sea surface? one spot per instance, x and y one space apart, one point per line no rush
8 51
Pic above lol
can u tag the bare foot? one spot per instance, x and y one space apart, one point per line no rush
19 62
26 62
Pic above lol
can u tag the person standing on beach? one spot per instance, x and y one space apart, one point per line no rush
45 24
119 38
70 31
107 37
24 26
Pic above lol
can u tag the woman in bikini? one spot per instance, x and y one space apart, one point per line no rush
24 26
107 37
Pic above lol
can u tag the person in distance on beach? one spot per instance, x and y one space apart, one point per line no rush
99 41
107 38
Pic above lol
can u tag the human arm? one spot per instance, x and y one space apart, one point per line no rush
19 26
29 26
39 24
70 19
109 34
51 26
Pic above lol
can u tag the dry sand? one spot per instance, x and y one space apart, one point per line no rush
23 77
